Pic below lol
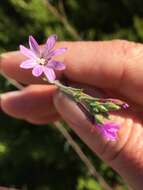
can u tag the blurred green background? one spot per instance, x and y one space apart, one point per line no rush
38 157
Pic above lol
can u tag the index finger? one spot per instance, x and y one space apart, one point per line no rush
10 66
108 64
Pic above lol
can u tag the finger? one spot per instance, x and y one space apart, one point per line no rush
79 123
10 66
33 101
111 64
124 155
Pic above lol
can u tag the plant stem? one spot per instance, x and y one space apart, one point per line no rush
63 19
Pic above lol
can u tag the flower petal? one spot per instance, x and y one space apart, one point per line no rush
57 52
109 130
27 52
110 136
51 42
28 64
50 74
49 46
125 105
34 45
37 70
57 65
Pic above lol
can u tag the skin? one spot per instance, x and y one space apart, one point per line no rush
116 67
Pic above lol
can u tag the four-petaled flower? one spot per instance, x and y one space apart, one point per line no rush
40 59
109 130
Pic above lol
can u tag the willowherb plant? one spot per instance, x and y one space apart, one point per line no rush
97 110
41 60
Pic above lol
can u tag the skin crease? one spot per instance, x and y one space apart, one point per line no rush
113 66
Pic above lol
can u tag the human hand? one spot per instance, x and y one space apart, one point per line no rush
112 66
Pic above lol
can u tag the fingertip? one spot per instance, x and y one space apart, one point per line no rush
10 66
32 100
9 102
8 62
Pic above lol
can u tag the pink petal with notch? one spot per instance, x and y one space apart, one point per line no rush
28 64
37 70
34 45
50 74
27 52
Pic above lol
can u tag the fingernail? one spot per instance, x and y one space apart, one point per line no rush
7 54
4 56
1 94
7 95
69 110
9 102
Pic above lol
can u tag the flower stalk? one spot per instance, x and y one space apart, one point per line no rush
91 105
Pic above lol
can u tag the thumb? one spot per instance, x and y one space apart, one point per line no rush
117 154
77 120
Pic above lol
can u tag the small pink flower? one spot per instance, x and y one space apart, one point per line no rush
109 130
125 105
40 60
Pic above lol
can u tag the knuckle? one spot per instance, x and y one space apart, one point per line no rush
129 51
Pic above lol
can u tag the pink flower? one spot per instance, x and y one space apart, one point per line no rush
40 60
125 105
109 130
